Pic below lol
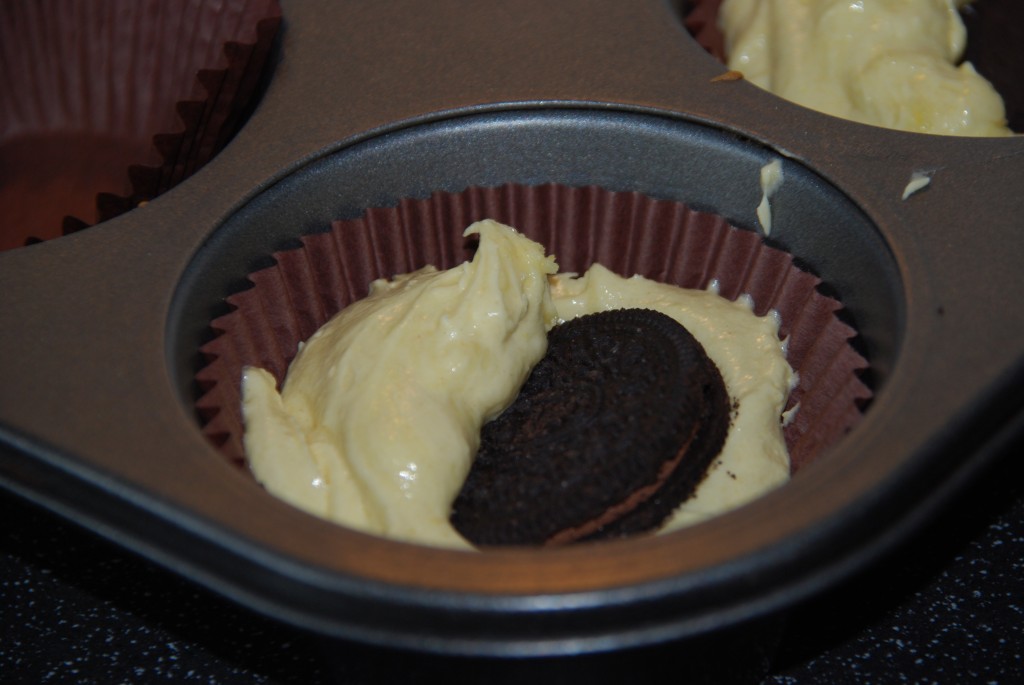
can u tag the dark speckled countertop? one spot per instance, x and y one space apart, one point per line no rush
947 607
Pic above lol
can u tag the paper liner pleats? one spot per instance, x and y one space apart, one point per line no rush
628 232
110 103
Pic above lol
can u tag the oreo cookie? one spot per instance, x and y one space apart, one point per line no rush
614 428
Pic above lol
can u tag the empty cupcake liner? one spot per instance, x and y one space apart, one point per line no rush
628 232
113 103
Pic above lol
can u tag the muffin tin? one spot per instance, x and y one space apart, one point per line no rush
369 104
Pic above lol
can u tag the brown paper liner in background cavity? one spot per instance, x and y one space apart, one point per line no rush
107 104
701 20
627 232
995 34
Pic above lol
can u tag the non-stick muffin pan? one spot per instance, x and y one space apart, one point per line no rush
368 105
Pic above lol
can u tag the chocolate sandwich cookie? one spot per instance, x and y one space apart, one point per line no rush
613 429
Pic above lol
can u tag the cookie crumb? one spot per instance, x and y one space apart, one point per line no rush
731 75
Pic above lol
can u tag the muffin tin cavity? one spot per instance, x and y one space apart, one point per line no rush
633 168
110 104
993 30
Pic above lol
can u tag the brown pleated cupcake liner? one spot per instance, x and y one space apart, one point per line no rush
113 103
701 20
628 232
